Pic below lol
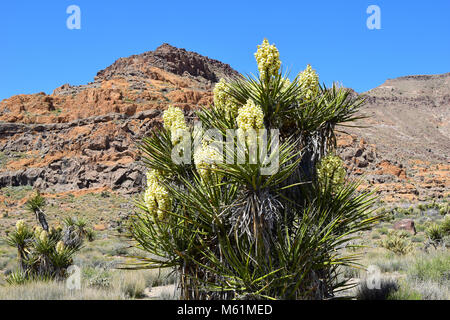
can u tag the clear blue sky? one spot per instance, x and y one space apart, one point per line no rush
38 52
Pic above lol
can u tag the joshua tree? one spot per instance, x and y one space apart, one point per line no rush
272 222
35 205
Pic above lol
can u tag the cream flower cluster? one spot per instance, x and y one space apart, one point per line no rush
331 169
60 247
156 196
268 59
37 231
205 159
222 100
20 226
286 84
43 236
309 81
250 116
174 121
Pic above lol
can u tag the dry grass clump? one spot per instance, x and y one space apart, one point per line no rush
418 276
97 284
56 291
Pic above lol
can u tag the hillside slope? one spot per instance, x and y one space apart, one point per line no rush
408 130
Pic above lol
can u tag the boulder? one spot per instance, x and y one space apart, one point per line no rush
405 224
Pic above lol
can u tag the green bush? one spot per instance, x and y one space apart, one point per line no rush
404 292
397 242
435 268
445 226
434 233
444 209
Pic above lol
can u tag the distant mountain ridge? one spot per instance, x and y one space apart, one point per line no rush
84 137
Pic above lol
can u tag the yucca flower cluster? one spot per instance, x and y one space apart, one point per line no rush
250 116
286 83
268 59
222 99
309 81
174 121
20 226
331 170
37 231
205 159
156 196
60 247
43 237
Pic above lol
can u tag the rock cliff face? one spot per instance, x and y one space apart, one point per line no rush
84 137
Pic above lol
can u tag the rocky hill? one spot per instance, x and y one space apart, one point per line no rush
84 137
404 145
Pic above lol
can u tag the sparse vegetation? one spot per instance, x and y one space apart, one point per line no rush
397 242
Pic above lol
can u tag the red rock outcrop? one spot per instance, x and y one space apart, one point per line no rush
84 137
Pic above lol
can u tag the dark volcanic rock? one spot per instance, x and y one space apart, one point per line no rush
171 59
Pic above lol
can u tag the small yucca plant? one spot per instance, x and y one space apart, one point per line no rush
43 254
435 233
445 226
229 229
397 242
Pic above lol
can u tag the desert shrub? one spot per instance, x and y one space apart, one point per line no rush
392 264
444 209
41 254
246 229
445 226
435 267
375 235
404 292
132 284
384 230
421 207
97 277
434 233
421 227
430 290
100 282
397 242
418 238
